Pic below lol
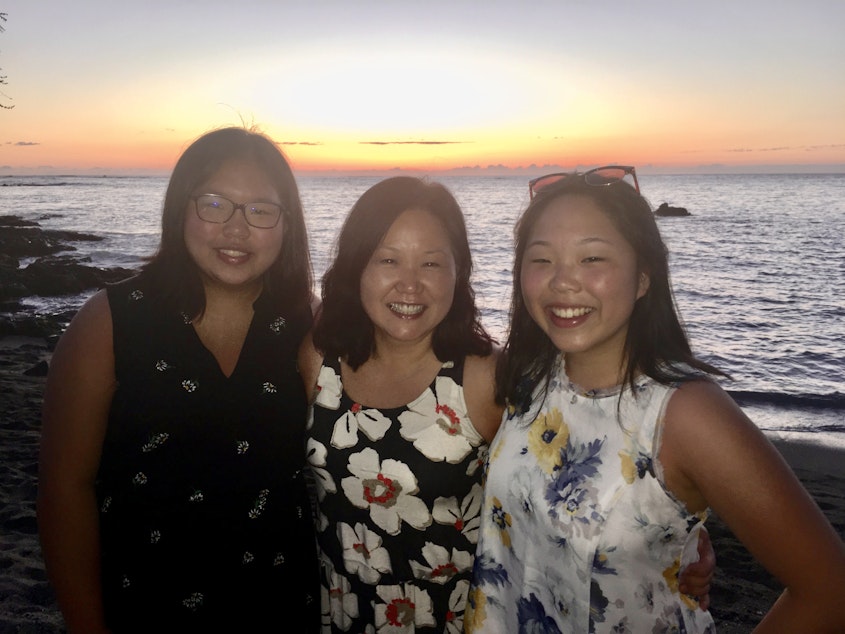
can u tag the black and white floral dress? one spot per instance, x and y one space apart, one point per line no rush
203 509
397 499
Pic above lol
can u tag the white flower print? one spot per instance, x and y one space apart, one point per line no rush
363 554
139 478
136 295
465 517
315 453
242 447
441 567
268 388
448 437
162 365
405 608
370 421
457 604
387 490
189 385
328 389
278 324
343 603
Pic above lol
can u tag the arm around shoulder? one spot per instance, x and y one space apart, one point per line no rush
714 454
80 386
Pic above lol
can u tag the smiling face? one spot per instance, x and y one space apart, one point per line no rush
233 254
580 283
408 284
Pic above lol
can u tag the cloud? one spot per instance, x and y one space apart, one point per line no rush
314 143
787 148
411 142
25 143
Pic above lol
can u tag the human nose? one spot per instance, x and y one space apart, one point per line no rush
565 277
408 281
237 224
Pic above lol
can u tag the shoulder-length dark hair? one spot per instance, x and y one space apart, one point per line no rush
656 343
288 281
343 328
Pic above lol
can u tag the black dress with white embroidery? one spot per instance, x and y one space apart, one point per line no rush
203 509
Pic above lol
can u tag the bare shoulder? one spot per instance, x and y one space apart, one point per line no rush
479 392
88 339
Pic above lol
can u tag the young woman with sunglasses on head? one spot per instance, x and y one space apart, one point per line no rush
617 442
403 377
172 494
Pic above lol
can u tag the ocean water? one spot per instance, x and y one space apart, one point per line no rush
758 267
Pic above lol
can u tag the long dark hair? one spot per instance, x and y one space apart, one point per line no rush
288 281
656 343
343 328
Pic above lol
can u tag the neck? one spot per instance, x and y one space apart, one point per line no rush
591 372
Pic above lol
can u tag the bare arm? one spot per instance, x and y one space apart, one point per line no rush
479 390
80 385
714 455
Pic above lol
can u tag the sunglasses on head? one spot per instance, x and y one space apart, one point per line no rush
599 176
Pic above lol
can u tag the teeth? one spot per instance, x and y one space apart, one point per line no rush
232 253
406 309
569 313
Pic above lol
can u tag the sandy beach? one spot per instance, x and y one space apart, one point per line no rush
741 593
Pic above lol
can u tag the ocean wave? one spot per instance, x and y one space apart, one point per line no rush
835 401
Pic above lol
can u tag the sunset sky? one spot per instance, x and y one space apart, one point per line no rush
100 86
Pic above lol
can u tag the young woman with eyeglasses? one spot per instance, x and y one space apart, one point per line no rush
618 441
171 494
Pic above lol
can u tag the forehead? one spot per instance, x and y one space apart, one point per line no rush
571 214
418 225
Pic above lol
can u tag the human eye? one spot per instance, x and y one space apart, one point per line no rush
262 209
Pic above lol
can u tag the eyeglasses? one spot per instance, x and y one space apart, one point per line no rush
600 176
217 209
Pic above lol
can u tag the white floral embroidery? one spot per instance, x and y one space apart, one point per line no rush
278 324
136 295
259 504
441 567
279 559
243 447
162 365
248 558
196 496
268 388
363 554
125 582
194 601
387 489
157 440
140 478
104 507
155 536
405 608
186 318
437 430
189 385
465 517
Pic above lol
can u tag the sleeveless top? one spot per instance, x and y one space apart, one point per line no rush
204 520
578 533
397 499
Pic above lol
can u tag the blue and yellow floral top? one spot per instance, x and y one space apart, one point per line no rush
204 513
578 533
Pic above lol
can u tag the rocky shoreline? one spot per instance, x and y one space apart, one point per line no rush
50 269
